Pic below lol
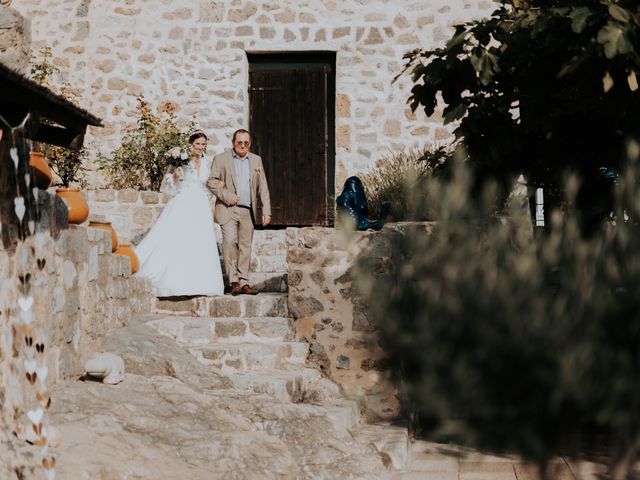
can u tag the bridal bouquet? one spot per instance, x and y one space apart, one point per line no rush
177 157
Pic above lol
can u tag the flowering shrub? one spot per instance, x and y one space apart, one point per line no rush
141 160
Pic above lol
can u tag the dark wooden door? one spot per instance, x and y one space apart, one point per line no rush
289 124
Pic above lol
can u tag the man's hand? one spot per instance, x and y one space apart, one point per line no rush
266 219
234 200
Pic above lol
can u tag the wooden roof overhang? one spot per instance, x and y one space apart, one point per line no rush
46 117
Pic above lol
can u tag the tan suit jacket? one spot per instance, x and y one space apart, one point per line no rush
224 169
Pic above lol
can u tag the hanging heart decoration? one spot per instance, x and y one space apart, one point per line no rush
19 207
13 153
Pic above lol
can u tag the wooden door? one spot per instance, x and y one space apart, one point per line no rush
290 128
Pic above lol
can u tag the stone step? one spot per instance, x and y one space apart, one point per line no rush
343 412
304 385
269 282
208 330
243 357
261 305
391 441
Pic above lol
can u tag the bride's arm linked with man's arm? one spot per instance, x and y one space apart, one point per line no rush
216 185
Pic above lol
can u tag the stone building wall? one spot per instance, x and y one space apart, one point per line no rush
330 316
192 54
15 40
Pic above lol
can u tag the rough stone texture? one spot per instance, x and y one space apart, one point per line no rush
107 60
331 317
200 428
60 296
15 40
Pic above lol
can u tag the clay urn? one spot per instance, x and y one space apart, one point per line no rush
126 249
76 204
105 225
40 171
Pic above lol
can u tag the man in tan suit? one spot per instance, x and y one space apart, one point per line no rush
245 189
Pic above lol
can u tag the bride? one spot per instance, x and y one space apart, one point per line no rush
179 254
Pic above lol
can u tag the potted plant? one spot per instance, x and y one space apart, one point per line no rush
67 165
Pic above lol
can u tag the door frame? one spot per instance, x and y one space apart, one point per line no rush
264 60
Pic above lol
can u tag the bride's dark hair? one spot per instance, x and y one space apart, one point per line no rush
196 135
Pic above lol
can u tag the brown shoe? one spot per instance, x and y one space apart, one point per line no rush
247 290
235 288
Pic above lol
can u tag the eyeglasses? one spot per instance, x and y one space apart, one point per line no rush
246 143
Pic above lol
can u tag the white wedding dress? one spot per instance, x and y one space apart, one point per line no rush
179 254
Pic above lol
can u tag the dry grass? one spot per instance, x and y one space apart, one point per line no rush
400 177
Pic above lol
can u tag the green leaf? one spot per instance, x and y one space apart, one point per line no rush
453 113
613 39
485 64
607 82
579 17
632 81
619 13
458 37
571 66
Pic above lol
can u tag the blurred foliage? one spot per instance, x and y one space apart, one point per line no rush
528 106
67 164
511 345
140 161
41 68
397 177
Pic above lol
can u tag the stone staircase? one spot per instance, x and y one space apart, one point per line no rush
250 340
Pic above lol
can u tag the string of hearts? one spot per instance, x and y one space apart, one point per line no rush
32 336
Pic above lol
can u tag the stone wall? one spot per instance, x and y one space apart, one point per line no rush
59 297
81 292
329 315
192 54
15 40
132 213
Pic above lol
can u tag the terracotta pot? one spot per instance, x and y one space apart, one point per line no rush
76 204
40 171
104 225
126 249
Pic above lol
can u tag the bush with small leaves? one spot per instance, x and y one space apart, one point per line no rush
515 346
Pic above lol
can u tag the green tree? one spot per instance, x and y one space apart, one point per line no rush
541 88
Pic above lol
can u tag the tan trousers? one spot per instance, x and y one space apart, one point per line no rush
237 237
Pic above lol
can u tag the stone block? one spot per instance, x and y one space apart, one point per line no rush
197 331
304 306
176 305
287 16
231 328
225 307
128 195
374 37
211 11
341 32
143 216
149 197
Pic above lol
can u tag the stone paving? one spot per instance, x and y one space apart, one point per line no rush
434 461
